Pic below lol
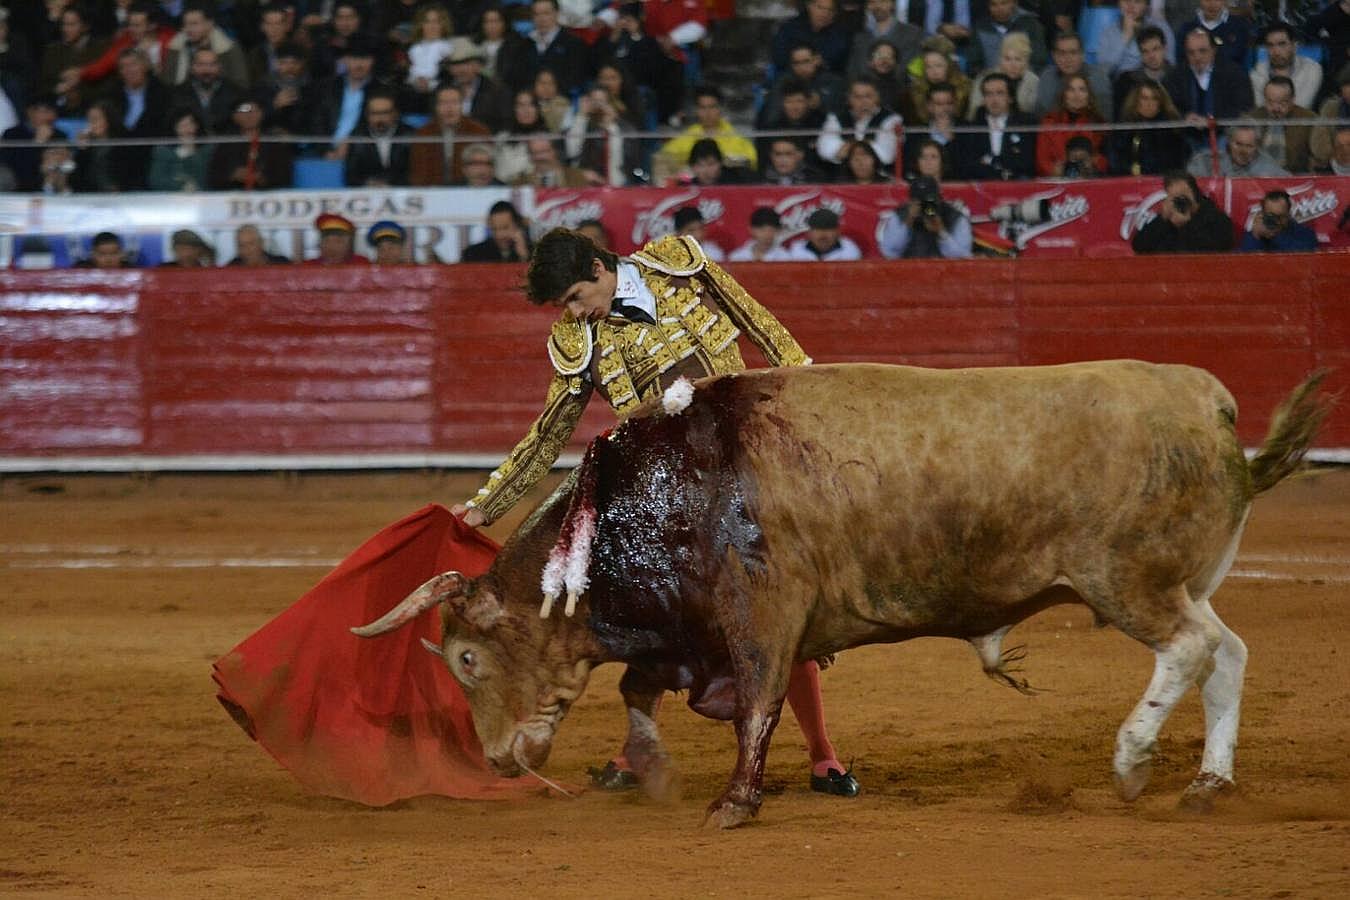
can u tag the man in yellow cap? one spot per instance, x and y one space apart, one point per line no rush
337 239
389 239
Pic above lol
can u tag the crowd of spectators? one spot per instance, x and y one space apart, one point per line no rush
554 90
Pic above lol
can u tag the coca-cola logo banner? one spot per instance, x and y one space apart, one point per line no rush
1033 218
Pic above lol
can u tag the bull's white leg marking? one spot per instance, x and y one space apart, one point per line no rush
1178 663
1221 689
990 648
1211 584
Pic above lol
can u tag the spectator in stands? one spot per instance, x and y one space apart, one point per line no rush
1005 17
513 157
1337 106
1187 222
74 49
940 116
380 160
1208 84
285 92
827 89
1013 61
142 32
331 41
628 45
189 251
929 161
337 242
99 167
508 237
766 231
816 27
141 101
1069 60
676 25
736 149
547 168
936 67
431 43
340 100
184 165
1005 148
56 171
794 112
689 222
1338 161
479 167
549 45
927 227
1274 229
17 67
208 95
495 34
863 119
706 168
1331 26
1118 48
39 125
862 166
595 230
1287 144
1075 106
250 250
883 68
1147 151
199 34
442 163
253 164
882 24
595 142
390 240
555 108
485 100
622 93
1283 58
1231 35
275 22
105 252
787 164
824 242
1241 157
1152 67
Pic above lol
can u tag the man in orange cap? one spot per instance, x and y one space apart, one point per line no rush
337 237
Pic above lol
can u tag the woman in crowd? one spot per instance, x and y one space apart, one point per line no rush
623 94
100 168
500 43
862 165
555 108
1074 106
883 64
1014 60
937 66
929 160
182 166
431 35
1148 151
595 142
513 157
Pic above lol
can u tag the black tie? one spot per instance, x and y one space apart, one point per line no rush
632 313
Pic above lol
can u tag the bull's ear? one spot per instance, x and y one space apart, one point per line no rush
478 608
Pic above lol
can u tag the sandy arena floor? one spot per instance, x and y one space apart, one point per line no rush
123 777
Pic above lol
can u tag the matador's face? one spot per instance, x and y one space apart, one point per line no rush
590 301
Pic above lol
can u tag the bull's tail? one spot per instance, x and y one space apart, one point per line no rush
1292 430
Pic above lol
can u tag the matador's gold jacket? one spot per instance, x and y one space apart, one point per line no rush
701 311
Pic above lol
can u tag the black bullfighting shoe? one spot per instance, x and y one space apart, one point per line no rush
612 778
836 783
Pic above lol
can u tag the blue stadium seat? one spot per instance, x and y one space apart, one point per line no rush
72 127
1091 23
415 120
319 173
523 26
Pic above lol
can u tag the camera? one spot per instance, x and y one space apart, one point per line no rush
1270 221
1074 169
1181 204
928 209
1031 211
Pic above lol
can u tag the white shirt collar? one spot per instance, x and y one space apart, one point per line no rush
631 290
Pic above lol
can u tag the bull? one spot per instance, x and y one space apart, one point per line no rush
789 514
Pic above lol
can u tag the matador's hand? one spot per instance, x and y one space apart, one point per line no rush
472 516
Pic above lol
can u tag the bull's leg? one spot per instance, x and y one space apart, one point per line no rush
1221 688
643 750
1179 661
742 798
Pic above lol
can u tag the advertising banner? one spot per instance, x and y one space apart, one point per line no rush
1032 218
40 232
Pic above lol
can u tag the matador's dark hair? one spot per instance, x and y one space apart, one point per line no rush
561 259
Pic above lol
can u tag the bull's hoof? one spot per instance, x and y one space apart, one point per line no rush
1201 793
729 814
1130 783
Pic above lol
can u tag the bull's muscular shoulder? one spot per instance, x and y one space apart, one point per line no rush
570 345
673 255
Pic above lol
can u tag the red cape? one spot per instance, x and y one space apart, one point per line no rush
376 720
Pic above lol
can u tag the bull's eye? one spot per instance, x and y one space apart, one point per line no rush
467 660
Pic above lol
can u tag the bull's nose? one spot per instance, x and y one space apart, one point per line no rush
506 768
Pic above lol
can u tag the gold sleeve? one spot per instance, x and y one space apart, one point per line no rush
779 347
538 450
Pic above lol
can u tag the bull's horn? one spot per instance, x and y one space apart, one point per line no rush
547 606
432 648
434 592
571 606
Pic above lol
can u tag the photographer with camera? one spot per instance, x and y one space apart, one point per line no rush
1188 221
927 227
1274 229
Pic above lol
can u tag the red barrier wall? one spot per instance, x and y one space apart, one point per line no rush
440 360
